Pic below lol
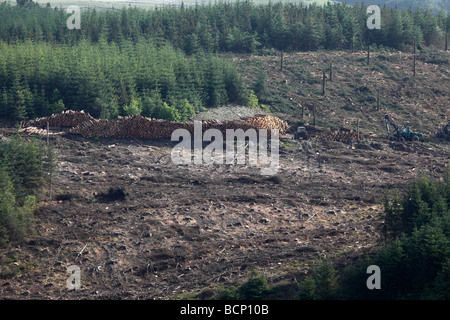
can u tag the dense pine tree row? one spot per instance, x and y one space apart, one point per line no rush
434 5
238 26
415 260
109 79
25 167
161 63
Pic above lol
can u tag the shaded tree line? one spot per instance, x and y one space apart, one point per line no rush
414 256
109 79
162 63
25 168
414 259
435 5
241 26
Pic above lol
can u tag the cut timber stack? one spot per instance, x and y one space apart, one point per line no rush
267 122
95 128
68 119
222 126
129 127
147 128
29 131
257 122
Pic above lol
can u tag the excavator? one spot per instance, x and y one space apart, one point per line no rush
405 134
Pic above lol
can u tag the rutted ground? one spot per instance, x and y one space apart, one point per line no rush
184 230
188 229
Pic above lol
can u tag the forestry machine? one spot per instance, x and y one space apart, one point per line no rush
301 133
400 135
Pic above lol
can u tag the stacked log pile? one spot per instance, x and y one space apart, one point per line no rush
68 119
95 128
267 122
29 131
147 128
128 127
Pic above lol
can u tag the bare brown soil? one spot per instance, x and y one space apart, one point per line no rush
165 231
184 231
353 88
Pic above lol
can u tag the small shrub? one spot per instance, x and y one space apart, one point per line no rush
256 288
253 101
307 289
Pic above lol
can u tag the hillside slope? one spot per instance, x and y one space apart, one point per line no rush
140 226
422 102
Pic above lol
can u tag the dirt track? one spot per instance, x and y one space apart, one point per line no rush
184 229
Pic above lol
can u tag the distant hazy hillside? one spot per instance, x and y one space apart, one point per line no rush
436 5
405 4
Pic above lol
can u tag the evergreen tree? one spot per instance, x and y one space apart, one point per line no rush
410 31
20 179
394 34
235 87
447 31
215 85
326 281
191 44
169 113
107 100
207 36
56 102
57 107
311 33
307 289
185 109
260 86
420 205
333 29
25 168
392 217
4 103
26 3
134 108
415 264
8 222
428 25
151 103
40 102
20 107
350 30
